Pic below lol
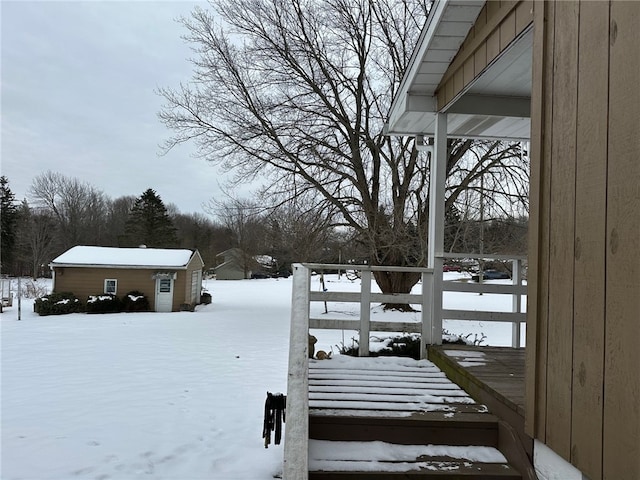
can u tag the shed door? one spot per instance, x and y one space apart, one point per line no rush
164 294
196 286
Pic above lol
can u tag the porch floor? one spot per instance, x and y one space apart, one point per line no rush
494 376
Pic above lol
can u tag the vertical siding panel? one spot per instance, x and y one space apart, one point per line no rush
590 233
523 15
480 58
449 90
492 8
481 21
493 45
458 81
469 72
563 164
507 30
545 226
537 299
622 358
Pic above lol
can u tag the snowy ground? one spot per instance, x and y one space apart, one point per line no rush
175 396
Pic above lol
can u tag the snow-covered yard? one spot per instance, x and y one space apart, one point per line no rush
175 396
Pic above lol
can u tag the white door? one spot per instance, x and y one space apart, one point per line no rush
164 294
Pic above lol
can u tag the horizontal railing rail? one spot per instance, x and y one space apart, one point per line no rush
478 256
364 268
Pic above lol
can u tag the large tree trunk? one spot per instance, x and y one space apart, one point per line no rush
397 282
396 242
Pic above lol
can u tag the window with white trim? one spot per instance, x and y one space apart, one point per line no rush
111 286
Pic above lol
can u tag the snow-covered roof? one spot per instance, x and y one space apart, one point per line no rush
104 257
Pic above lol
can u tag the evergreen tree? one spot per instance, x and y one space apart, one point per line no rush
9 221
149 223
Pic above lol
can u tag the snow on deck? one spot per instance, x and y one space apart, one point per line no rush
383 386
331 456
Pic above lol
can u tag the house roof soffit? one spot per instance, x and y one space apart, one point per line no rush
495 105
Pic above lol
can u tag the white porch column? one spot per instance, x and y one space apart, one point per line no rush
436 222
436 190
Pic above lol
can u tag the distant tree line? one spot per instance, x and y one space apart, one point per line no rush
62 212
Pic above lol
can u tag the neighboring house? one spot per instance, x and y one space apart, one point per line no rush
170 278
235 265
231 266
563 76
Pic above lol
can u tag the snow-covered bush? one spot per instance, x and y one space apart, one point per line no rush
103 303
407 345
135 301
57 304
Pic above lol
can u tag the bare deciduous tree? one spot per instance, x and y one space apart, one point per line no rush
78 208
298 231
245 221
298 91
36 237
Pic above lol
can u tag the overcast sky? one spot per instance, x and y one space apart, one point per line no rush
78 82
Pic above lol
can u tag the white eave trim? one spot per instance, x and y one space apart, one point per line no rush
428 32
419 106
122 267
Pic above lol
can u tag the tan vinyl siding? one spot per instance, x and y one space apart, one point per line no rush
195 265
583 385
590 237
497 25
83 282
541 107
561 235
180 286
622 308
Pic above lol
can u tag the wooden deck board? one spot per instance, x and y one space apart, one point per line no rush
494 376
366 384
499 368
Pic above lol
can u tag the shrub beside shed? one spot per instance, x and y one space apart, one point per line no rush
169 278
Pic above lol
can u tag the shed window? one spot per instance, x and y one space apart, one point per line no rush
111 286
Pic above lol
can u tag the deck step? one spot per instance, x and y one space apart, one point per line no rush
376 460
419 428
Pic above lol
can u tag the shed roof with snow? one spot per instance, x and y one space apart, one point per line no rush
111 257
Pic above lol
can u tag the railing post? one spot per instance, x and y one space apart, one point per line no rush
426 337
436 302
516 279
365 312
296 454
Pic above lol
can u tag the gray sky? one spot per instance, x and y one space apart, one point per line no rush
78 81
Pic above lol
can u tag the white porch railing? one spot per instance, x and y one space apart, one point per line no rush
430 299
517 289
430 328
